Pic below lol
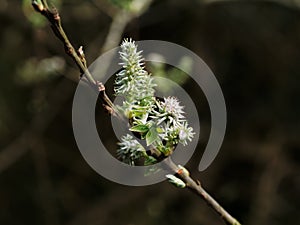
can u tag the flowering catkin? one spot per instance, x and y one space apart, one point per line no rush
159 121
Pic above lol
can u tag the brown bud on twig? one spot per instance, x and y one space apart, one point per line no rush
101 87
80 52
39 7
183 170
108 109
81 55
55 15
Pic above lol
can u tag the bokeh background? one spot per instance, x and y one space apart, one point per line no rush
253 47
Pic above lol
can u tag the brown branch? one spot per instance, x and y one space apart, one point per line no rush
78 56
196 187
18 147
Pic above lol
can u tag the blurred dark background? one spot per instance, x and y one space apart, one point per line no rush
253 48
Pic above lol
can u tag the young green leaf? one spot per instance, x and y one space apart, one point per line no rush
140 128
152 136
176 181
150 160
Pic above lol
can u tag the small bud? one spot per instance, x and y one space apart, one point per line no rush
183 170
55 14
80 51
101 87
81 55
39 7
176 181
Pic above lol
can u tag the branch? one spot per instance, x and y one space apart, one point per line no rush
195 186
78 56
17 148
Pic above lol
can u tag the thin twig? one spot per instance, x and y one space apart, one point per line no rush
197 188
14 151
78 56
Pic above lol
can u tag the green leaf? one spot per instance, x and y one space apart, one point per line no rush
152 136
136 113
159 130
150 160
166 150
140 128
